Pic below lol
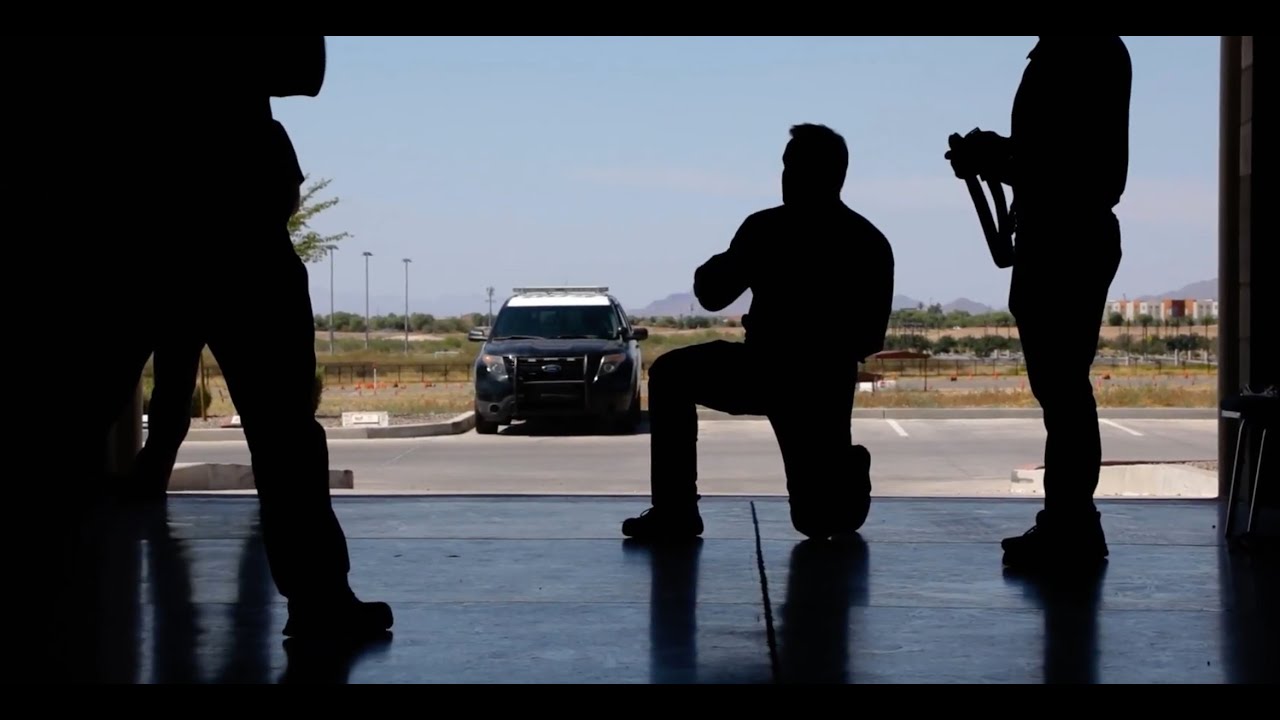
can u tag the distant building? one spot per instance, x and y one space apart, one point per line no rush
1169 309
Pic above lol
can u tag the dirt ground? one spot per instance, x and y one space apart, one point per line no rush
1107 332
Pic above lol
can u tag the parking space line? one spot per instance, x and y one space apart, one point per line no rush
1118 426
897 428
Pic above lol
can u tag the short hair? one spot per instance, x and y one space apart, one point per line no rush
819 152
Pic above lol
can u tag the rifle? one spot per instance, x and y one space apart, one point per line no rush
998 230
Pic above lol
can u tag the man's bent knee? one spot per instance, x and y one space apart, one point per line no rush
668 370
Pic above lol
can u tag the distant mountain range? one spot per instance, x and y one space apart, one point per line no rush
684 303
1203 290
673 305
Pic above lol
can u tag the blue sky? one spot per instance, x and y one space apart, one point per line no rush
628 161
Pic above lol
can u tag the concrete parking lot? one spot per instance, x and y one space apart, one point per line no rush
911 457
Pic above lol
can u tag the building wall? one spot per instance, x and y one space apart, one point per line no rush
1161 310
1247 301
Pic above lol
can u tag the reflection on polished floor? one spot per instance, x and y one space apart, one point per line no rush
520 590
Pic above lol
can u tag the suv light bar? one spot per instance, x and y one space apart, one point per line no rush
562 290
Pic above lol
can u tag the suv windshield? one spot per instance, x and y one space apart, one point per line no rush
592 321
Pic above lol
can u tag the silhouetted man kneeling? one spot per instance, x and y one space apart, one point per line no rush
1067 160
809 260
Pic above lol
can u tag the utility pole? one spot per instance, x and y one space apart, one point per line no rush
406 262
332 249
489 290
367 255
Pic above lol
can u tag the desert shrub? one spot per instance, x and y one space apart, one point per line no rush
317 391
200 400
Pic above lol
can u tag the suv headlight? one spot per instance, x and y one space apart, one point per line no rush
609 363
496 366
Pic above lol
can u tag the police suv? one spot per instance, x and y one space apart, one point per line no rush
558 352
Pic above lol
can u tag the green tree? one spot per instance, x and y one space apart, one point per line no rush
1145 321
310 245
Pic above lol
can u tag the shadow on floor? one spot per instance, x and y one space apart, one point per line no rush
515 591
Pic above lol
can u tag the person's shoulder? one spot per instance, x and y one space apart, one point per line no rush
1102 53
1119 53
862 223
768 215
762 221
1113 52
867 234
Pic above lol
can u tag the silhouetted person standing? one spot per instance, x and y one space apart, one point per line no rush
270 366
218 139
175 365
821 278
1067 160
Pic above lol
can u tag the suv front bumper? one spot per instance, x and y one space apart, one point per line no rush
507 400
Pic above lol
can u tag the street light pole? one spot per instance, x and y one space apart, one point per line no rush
331 341
406 305
489 290
367 255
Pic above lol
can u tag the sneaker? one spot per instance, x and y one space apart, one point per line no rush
1053 544
348 619
664 524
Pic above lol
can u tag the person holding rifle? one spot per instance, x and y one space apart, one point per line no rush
1067 160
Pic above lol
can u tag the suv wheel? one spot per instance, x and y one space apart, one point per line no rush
485 427
635 414
629 421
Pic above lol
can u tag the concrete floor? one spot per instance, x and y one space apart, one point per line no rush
518 590
911 457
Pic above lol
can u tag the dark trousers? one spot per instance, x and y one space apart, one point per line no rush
261 331
1058 300
270 372
811 421
175 365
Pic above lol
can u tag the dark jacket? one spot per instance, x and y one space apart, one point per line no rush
1070 133
814 272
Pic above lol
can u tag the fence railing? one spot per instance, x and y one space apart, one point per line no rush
341 373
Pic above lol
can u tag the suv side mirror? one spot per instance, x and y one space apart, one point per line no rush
639 334
478 335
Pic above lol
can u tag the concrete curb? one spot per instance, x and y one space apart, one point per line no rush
455 426
995 414
209 477
465 422
1144 480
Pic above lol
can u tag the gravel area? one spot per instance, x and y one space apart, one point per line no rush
1211 465
336 421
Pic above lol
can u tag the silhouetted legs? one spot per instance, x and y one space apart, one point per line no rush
827 477
1058 305
269 369
105 401
175 364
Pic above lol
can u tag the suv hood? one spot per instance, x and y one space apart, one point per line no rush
537 348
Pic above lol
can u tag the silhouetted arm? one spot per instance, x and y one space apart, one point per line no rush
876 298
724 277
999 160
